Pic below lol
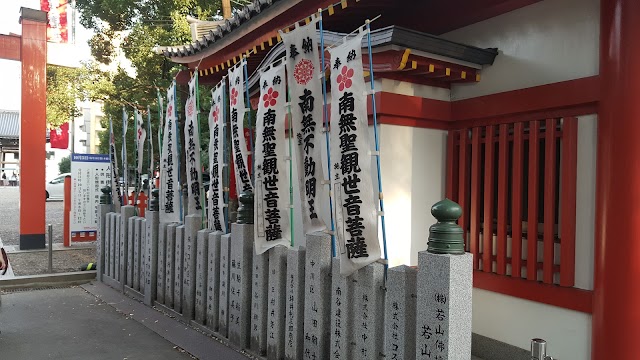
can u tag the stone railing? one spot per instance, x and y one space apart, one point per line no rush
293 303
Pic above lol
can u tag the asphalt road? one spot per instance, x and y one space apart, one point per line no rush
10 216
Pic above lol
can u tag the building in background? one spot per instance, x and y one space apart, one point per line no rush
9 140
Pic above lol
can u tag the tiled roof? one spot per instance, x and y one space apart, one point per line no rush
9 124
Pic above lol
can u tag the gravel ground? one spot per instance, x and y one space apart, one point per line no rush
32 263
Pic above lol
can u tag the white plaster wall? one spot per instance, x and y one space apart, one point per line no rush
517 321
548 42
413 176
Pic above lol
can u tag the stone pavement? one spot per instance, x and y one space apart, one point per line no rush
73 323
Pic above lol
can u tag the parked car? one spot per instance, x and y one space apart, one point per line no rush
55 187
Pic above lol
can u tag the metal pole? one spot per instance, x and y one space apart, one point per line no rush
50 229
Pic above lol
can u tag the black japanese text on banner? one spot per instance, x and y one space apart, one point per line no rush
216 159
305 87
192 149
238 110
141 136
116 195
169 170
271 213
355 212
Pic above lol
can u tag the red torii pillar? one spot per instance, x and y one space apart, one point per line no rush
616 306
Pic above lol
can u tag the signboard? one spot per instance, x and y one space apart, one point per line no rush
89 173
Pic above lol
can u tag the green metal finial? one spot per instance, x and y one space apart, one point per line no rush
245 210
445 236
105 198
153 203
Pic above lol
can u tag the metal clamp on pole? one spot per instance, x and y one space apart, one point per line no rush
539 350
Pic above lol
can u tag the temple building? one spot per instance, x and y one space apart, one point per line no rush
523 112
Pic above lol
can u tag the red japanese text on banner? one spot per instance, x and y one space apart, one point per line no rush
354 207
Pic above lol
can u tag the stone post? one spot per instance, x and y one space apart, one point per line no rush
400 313
143 251
162 265
178 258
101 246
202 250
151 251
368 309
170 265
126 213
113 254
341 313
444 289
223 316
276 309
137 253
213 280
294 307
129 253
259 303
317 296
240 283
193 224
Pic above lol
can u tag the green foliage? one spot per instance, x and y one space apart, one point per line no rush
64 166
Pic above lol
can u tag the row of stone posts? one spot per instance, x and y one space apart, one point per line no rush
292 303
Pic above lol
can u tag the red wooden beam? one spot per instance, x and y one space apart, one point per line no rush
532 218
487 232
503 179
10 47
474 237
451 165
549 199
568 201
516 200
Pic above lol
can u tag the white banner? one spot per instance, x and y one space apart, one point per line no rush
170 170
125 165
116 196
216 159
271 213
238 110
141 136
305 88
192 149
354 207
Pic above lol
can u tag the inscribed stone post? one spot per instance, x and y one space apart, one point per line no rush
276 310
136 252
400 313
178 259
368 326
240 283
143 251
151 257
341 313
294 338
106 249
202 251
126 213
170 265
129 254
117 240
213 280
113 238
192 226
223 318
103 229
161 269
317 295
444 289
259 302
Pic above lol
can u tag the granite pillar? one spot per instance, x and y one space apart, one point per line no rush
151 257
276 302
137 240
126 213
101 243
259 293
444 289
225 253
161 266
170 264
368 326
193 223
341 313
400 313
117 251
113 238
213 280
129 254
294 337
202 271
317 295
241 256
143 251
178 259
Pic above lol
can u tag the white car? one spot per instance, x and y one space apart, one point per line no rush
55 187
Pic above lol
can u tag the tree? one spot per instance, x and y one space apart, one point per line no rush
64 166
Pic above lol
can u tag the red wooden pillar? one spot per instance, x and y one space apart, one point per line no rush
33 129
616 308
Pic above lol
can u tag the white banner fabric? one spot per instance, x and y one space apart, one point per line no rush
125 165
141 136
216 159
271 210
116 195
192 149
305 88
238 110
170 170
354 208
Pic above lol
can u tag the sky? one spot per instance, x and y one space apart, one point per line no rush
66 54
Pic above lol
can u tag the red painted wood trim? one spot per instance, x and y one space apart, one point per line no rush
463 184
474 236
503 179
555 96
569 170
487 232
451 145
567 298
410 122
413 107
532 218
10 47
549 199
516 200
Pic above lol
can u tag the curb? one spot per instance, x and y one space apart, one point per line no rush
70 278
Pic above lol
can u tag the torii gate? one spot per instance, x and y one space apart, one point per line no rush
31 50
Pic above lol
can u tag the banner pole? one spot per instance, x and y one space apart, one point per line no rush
377 142
326 132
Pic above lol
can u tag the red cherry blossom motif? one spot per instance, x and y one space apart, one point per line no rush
190 107
344 78
170 110
234 96
270 98
303 71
